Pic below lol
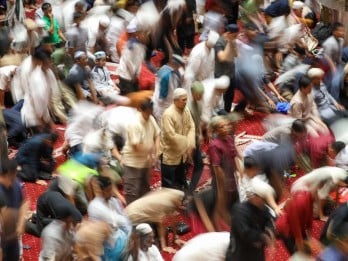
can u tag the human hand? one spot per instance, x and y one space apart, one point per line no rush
339 107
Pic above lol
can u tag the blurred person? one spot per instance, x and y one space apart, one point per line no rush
320 182
252 227
300 14
204 247
328 107
6 76
177 141
35 157
154 208
140 152
77 36
55 35
337 154
303 107
79 79
106 88
195 106
3 141
212 21
213 98
47 209
168 79
97 36
185 29
222 153
337 219
17 206
36 33
201 61
141 246
225 53
338 250
57 237
110 210
293 58
68 10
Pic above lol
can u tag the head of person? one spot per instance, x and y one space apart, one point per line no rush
305 85
100 58
297 7
176 62
42 58
221 84
298 130
335 148
212 39
220 126
338 30
180 98
145 235
146 108
251 31
46 8
231 32
316 75
105 185
78 17
8 172
80 7
197 91
51 139
251 167
104 23
80 58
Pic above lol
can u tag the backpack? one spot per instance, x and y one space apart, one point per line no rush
322 31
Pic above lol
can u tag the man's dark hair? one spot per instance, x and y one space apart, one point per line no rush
304 81
104 182
54 137
250 162
337 146
77 15
40 55
45 6
298 126
8 166
336 26
146 104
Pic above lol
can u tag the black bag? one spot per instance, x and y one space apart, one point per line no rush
322 31
182 228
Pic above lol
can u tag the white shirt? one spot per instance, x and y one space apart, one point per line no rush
342 159
152 254
5 76
211 102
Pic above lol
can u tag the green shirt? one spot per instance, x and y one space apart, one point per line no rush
54 36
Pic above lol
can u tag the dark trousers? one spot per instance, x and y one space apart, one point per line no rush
31 172
197 168
174 176
229 94
136 182
10 250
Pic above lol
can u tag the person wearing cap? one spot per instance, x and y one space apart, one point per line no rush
225 53
77 35
55 35
213 100
168 79
79 79
301 13
132 57
140 152
329 109
201 62
57 237
338 249
252 226
104 85
177 141
141 245
97 34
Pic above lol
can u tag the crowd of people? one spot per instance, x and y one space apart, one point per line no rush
99 203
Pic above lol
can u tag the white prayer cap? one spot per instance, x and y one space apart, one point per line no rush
297 5
99 55
132 26
78 54
261 188
104 21
143 229
222 82
212 38
315 72
178 92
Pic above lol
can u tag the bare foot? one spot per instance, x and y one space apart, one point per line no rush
41 182
169 250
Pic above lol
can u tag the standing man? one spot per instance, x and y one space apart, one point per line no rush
55 35
140 152
225 52
177 141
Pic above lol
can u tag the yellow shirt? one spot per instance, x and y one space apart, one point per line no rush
177 136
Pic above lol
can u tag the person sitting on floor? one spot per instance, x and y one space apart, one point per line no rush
35 157
338 155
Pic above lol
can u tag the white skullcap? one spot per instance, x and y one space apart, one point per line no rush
315 72
222 82
212 38
104 21
143 229
261 188
78 54
297 5
178 92
132 26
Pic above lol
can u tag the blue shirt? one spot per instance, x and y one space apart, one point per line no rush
331 253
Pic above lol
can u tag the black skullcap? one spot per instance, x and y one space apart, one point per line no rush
232 28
